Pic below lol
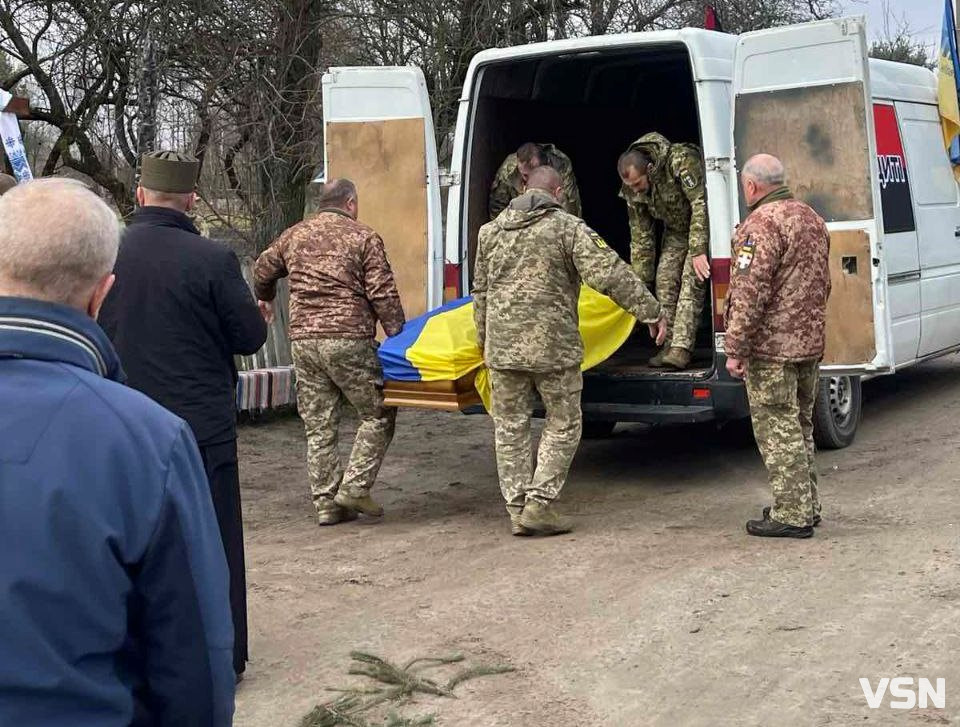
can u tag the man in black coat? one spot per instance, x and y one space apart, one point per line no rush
177 314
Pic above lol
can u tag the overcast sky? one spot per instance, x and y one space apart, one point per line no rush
924 17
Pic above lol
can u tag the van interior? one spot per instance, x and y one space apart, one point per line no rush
591 105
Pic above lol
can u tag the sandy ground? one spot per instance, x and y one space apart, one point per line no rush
658 610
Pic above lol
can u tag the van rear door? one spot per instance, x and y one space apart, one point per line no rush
379 133
802 93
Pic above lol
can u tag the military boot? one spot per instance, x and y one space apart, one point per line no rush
657 361
364 503
330 513
816 517
516 528
544 519
677 358
775 529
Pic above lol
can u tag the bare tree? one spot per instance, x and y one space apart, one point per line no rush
897 42
238 81
72 54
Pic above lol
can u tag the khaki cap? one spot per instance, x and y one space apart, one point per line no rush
169 171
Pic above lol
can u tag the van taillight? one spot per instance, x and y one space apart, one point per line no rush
451 282
720 275
701 392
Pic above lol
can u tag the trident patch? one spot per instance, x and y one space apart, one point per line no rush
598 241
746 255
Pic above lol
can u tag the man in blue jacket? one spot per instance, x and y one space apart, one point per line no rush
113 581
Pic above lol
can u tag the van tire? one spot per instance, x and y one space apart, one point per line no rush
597 428
837 411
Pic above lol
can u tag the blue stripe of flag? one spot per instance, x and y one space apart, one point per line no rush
393 351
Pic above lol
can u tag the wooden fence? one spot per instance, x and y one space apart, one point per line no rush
276 351
267 379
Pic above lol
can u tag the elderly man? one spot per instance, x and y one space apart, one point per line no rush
529 266
6 183
775 337
511 178
113 584
341 284
178 314
664 183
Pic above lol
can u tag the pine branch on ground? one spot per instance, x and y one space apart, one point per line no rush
404 683
476 671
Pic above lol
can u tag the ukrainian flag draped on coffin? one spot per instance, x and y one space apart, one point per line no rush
442 345
948 88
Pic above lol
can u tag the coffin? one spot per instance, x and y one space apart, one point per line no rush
437 395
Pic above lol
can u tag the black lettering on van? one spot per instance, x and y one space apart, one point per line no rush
891 170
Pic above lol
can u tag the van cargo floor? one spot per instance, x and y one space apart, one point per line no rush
631 360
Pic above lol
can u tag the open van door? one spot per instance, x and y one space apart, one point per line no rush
378 132
802 93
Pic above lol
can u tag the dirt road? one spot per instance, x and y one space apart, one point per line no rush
658 610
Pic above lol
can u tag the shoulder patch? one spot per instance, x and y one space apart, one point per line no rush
597 240
687 179
745 257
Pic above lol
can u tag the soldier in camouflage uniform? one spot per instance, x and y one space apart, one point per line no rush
340 285
775 336
511 177
664 182
529 266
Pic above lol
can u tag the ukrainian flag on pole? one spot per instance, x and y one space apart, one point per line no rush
947 88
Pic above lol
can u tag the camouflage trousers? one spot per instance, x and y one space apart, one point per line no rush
330 372
781 397
677 288
512 406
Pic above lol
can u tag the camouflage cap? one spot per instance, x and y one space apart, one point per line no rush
7 183
169 171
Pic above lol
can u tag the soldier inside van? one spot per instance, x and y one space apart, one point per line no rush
511 178
664 182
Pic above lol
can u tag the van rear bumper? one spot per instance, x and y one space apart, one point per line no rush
651 413
663 400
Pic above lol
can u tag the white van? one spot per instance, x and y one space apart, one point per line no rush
860 139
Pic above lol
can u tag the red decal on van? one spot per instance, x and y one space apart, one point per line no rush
892 171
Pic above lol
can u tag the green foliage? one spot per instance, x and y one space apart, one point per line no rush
902 49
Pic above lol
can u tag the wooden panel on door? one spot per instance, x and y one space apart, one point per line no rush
850 322
387 162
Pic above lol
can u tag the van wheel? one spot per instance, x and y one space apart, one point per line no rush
597 429
836 414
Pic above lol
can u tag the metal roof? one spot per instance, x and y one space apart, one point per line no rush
711 56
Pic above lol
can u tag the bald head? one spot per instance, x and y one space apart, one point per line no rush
6 183
58 243
762 174
338 194
546 178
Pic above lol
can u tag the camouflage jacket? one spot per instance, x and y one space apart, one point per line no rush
526 285
779 283
676 197
508 183
340 280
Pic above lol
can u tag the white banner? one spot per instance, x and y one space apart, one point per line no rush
13 142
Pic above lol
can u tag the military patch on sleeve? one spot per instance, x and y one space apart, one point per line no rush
688 180
598 241
746 255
